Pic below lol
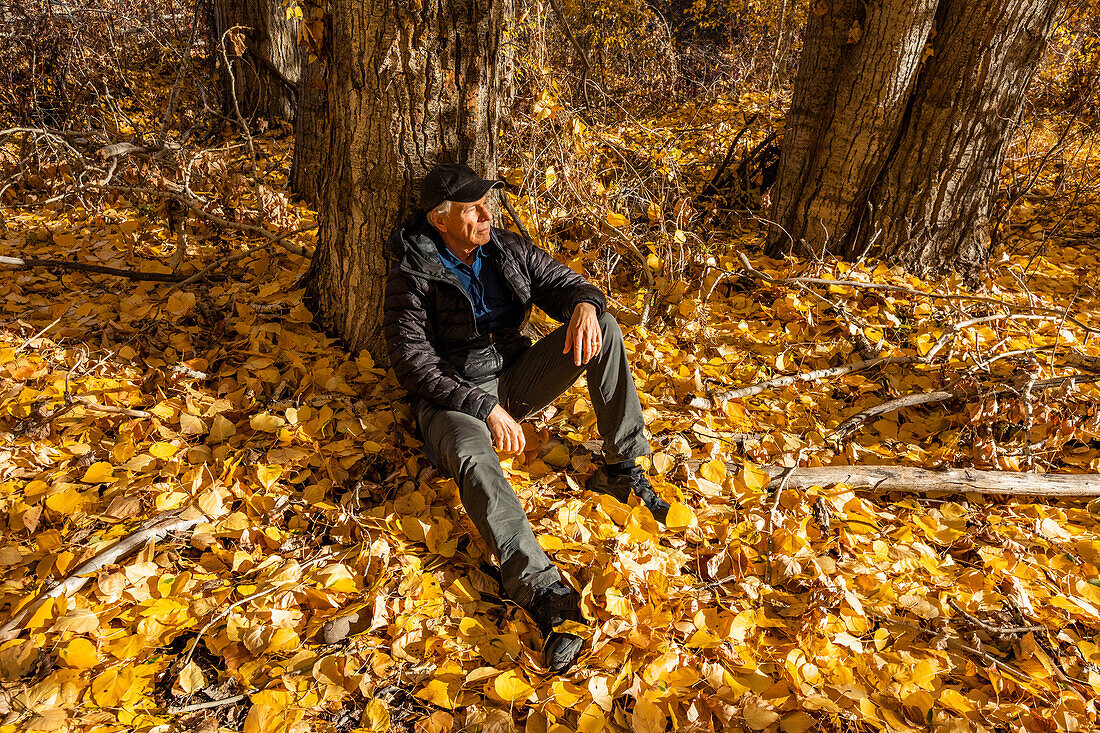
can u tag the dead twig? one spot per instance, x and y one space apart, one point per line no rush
926 398
210 703
998 630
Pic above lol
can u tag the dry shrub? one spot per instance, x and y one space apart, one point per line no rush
62 64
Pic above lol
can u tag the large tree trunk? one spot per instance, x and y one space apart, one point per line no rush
898 125
310 134
410 83
264 60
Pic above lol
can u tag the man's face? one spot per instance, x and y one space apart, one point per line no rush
465 225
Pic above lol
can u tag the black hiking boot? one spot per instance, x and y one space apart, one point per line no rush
621 486
550 606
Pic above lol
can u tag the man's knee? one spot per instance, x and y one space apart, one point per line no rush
463 443
609 327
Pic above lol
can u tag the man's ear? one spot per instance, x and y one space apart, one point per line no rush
435 220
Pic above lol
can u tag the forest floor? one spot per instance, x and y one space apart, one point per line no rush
304 495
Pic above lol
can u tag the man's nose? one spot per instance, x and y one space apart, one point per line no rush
483 212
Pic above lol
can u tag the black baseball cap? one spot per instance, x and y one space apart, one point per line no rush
453 182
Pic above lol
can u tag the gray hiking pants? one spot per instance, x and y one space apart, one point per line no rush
462 446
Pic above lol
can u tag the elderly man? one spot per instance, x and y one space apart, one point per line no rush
456 300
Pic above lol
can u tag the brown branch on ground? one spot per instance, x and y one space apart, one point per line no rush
26 263
194 206
997 630
856 421
151 531
828 282
91 404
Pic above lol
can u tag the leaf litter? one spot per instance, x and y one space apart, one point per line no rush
755 609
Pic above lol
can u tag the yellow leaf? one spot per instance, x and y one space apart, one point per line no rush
647 717
617 604
17 659
617 220
758 714
65 502
714 470
440 693
510 687
98 473
180 303
592 719
163 450
191 424
79 653
338 578
48 720
78 621
268 475
266 422
221 429
653 262
679 516
191 678
110 687
752 478
282 640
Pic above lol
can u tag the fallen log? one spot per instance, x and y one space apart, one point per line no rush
884 479
908 479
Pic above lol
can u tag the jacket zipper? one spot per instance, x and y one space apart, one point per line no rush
453 283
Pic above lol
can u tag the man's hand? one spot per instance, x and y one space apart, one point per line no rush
583 335
507 433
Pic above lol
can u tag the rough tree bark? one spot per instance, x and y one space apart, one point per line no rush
266 65
898 126
409 83
309 133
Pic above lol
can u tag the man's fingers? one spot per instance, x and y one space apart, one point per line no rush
568 341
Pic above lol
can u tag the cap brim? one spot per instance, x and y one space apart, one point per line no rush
474 191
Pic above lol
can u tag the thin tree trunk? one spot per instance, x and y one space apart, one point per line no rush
309 134
410 83
266 66
897 128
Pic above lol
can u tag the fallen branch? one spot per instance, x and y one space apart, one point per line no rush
813 376
26 263
151 531
884 479
856 421
828 282
91 404
194 205
997 630
210 704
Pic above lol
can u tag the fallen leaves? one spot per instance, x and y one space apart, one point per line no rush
316 501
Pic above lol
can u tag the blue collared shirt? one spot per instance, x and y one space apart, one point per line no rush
494 305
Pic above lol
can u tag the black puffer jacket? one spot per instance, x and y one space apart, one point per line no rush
434 344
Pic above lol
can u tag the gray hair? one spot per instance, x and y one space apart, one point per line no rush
443 209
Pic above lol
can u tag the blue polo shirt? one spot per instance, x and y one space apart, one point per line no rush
494 305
